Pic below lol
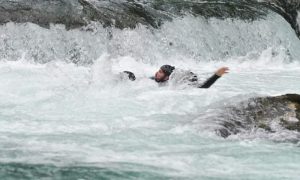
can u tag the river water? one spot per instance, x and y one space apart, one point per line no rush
65 113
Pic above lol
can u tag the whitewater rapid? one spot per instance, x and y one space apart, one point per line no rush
65 112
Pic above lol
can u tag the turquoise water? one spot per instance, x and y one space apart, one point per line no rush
61 120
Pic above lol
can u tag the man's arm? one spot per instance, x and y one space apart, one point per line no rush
210 81
220 72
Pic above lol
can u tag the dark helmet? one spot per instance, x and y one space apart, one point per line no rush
167 69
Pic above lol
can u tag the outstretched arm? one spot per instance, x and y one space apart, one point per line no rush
220 72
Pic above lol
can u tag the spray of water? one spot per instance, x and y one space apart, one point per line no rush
64 105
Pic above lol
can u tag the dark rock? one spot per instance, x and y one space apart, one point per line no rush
123 14
42 12
288 9
262 112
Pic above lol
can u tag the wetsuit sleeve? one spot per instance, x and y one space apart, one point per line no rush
210 81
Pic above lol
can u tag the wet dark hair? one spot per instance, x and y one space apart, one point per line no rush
167 69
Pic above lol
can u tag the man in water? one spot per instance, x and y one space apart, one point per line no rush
165 71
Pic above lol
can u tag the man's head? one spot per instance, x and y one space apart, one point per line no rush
163 73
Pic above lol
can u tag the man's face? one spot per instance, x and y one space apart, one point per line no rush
160 76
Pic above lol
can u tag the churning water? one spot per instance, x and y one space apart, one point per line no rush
65 112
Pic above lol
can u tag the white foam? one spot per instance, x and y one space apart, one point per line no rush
62 113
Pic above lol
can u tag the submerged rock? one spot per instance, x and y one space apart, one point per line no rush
268 113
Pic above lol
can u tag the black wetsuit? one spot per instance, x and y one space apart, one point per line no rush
191 78
210 81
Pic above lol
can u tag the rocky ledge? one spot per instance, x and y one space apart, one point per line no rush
129 13
268 113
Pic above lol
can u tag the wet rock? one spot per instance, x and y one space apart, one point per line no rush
288 9
129 13
263 112
42 12
79 13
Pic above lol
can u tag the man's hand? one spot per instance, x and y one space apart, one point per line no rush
220 72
